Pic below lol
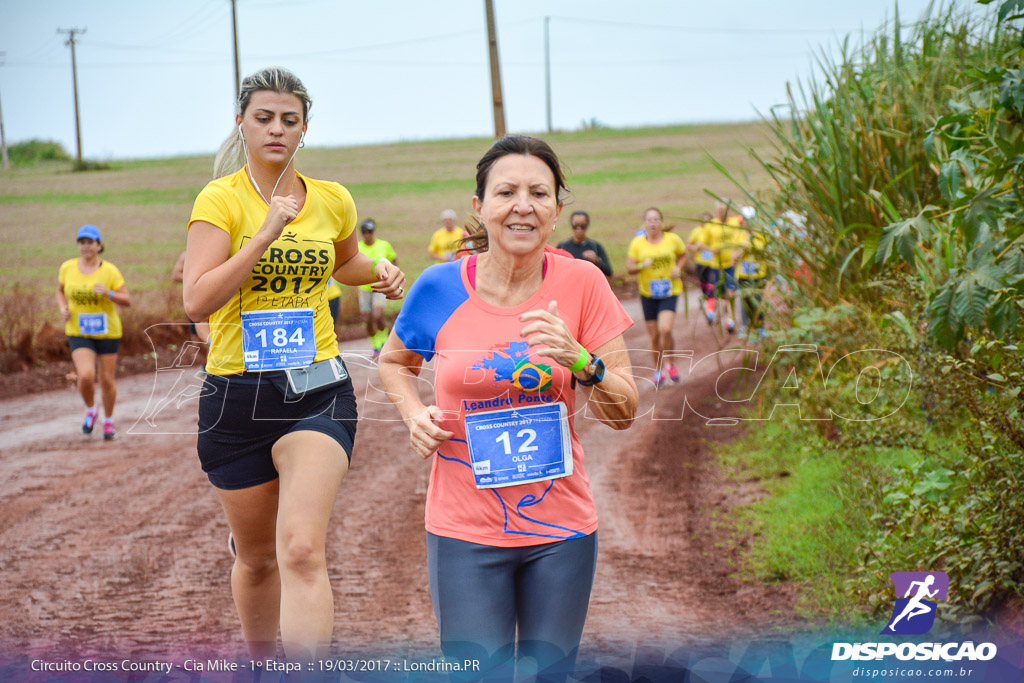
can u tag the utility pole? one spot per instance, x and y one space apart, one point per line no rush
3 138
74 84
492 46
234 37
547 70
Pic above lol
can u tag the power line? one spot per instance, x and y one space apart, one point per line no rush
374 46
396 43
47 46
694 29
144 48
405 63
209 15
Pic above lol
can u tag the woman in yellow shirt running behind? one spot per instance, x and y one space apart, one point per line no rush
87 289
657 257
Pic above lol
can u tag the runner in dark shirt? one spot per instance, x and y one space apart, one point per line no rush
582 247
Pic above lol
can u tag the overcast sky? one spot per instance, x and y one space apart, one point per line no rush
157 78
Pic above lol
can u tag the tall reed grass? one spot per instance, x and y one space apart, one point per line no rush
904 160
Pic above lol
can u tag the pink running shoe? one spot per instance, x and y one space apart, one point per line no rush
108 431
673 374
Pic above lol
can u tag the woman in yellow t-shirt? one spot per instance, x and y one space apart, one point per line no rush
657 257
87 289
446 240
277 416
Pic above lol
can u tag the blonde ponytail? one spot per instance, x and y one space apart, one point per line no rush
230 156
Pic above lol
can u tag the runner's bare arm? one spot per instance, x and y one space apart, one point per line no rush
211 278
62 303
178 274
632 267
680 263
398 366
615 398
121 297
352 267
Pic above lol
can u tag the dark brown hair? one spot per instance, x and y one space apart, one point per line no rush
476 241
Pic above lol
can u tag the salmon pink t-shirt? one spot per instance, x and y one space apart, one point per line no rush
482 363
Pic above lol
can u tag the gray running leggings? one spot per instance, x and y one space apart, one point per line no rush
483 593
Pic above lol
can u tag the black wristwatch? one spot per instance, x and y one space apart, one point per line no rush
595 376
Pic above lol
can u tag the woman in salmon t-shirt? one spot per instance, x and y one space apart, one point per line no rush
511 523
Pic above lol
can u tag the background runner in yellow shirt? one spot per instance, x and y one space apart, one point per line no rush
444 243
334 292
370 302
658 257
277 415
87 289
712 246
752 276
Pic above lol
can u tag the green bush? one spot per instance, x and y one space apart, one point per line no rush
33 151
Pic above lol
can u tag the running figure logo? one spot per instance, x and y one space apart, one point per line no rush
914 613
512 364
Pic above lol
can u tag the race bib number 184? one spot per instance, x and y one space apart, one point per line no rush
278 340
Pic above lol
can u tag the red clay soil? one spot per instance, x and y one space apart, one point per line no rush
119 548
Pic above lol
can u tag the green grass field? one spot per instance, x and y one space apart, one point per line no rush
142 206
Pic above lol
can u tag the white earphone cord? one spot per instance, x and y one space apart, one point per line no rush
245 148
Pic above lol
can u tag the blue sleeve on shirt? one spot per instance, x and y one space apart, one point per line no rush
432 299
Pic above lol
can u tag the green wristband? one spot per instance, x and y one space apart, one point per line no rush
582 361
376 261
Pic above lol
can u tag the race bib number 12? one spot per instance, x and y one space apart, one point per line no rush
278 340
519 445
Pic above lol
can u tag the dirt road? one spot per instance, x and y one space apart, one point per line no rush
119 548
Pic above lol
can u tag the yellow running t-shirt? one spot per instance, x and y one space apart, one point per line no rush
289 279
92 315
657 282
334 289
719 238
753 265
445 242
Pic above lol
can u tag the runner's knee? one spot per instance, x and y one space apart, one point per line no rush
302 556
258 564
